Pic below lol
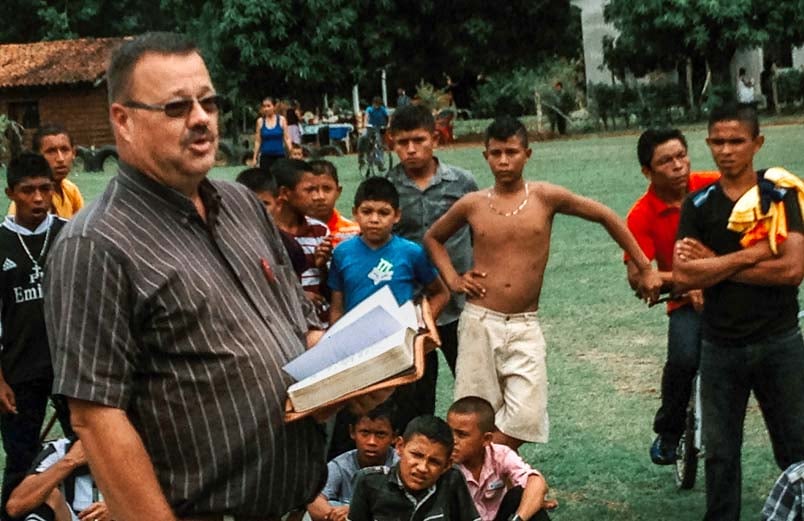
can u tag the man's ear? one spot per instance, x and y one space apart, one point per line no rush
528 152
646 172
283 193
118 115
400 445
352 431
9 192
397 215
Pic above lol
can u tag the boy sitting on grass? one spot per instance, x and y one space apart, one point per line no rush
374 436
501 484
423 485
501 353
328 191
362 265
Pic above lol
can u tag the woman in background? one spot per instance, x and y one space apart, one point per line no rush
271 138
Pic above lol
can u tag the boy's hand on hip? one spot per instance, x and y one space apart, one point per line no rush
469 283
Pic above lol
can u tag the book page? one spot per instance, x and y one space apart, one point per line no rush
383 298
362 332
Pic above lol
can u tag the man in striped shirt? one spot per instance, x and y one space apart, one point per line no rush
172 307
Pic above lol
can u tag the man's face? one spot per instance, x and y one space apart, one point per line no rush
32 197
175 150
669 167
414 147
421 462
372 439
733 147
470 441
320 193
59 154
507 158
376 220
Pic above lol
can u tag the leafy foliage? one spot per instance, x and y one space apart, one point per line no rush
660 34
513 92
652 104
790 85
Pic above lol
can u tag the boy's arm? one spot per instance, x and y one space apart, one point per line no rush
8 402
35 488
321 510
438 296
786 269
533 497
691 271
649 283
434 242
335 306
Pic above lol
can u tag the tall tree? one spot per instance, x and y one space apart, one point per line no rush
660 33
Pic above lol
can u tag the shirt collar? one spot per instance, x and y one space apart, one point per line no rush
486 470
395 479
442 173
11 224
132 177
659 206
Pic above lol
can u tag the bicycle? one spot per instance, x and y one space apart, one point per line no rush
371 153
690 446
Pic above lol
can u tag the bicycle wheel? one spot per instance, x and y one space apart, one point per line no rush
687 462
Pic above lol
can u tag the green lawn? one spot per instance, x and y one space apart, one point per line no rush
605 349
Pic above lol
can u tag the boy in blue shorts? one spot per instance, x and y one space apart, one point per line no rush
376 258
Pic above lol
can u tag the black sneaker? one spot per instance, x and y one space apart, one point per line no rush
663 452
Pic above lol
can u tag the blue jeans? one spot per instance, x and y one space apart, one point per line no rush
683 353
773 369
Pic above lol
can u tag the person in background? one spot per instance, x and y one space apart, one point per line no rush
271 137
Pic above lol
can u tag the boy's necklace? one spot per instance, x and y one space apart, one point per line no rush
513 212
41 252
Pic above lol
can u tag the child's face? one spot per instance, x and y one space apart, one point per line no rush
421 462
322 193
414 147
300 198
372 439
376 220
733 146
268 200
470 441
296 153
32 197
507 158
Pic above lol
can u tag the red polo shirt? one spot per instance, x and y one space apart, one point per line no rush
654 224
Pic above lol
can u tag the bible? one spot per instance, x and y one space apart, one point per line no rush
372 346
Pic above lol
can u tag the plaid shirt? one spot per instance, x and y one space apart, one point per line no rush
785 500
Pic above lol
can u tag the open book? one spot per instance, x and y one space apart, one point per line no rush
370 345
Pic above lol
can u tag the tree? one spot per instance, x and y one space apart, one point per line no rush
656 34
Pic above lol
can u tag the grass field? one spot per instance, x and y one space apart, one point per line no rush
605 348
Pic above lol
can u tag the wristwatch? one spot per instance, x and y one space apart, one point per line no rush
515 517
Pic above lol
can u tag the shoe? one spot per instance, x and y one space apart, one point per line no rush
663 452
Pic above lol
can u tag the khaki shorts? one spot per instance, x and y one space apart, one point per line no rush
501 358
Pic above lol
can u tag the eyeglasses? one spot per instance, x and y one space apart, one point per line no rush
180 108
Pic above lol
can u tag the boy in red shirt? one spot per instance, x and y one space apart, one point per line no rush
653 220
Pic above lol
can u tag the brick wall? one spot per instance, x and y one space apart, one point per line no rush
82 109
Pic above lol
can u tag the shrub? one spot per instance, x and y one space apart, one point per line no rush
790 85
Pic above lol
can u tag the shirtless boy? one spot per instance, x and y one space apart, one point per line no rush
501 355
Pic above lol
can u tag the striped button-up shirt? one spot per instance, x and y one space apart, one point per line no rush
421 208
185 325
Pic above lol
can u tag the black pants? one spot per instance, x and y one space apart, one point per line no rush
511 502
449 343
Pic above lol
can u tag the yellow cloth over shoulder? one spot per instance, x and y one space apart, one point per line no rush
748 218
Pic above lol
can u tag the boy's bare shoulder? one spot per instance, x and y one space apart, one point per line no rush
549 193
471 200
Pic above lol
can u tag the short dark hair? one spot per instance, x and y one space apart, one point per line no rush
125 58
743 112
412 117
478 406
257 180
48 129
27 164
386 410
504 127
433 428
324 167
377 189
652 138
288 172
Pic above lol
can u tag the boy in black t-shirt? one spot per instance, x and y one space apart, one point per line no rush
749 264
26 374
